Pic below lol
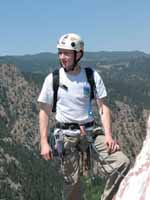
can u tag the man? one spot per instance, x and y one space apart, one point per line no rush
74 118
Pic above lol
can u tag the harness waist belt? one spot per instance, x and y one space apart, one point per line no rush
73 126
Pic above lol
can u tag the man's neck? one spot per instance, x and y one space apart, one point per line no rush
75 71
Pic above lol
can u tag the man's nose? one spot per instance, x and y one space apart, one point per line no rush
62 55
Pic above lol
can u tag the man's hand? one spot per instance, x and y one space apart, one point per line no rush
112 144
46 151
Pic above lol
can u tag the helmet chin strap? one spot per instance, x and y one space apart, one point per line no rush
75 62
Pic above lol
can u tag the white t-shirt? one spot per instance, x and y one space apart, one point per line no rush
73 100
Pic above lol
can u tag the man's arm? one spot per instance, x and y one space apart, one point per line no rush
46 150
105 114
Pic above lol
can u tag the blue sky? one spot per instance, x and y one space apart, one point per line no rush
33 26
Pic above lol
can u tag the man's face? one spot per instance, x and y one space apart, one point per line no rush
66 58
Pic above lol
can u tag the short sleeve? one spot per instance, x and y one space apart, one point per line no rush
46 94
100 87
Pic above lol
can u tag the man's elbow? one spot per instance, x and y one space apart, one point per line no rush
45 108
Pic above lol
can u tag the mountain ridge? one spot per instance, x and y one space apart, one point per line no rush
46 61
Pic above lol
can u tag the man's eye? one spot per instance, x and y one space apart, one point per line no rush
65 53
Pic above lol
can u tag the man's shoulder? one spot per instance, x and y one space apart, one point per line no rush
59 71
91 69
48 78
91 72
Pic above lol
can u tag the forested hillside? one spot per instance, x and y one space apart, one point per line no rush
24 175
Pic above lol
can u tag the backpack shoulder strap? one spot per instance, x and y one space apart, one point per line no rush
55 75
91 81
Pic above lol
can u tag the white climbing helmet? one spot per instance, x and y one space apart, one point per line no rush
71 41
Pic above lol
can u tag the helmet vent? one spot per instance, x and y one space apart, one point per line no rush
73 44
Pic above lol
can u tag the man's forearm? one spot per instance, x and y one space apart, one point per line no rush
106 119
43 121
